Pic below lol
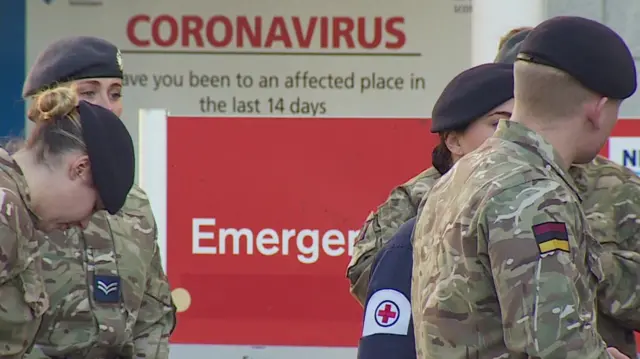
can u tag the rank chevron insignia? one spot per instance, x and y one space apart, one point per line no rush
107 288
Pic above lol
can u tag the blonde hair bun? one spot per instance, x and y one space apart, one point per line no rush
53 104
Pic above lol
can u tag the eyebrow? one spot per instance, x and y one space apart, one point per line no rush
89 82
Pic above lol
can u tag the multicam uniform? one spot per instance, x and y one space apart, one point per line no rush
503 258
381 225
23 299
611 201
109 295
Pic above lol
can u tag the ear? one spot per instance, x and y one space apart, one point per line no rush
80 169
595 110
452 140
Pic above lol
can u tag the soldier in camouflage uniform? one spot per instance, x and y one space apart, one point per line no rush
609 192
66 172
110 297
596 181
462 126
505 265
611 201
482 93
404 201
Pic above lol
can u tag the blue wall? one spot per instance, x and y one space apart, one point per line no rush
12 69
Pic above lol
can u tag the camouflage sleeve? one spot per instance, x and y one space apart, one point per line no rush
156 317
619 256
23 299
537 257
20 292
378 229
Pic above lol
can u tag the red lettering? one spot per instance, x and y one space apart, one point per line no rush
362 33
392 28
324 32
192 28
342 29
131 30
304 38
173 31
245 29
228 31
278 32
260 32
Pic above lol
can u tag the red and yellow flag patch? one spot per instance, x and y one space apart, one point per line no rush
551 236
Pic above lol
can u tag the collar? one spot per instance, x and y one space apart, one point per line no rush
544 153
579 176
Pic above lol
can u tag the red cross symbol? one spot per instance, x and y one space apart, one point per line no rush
387 313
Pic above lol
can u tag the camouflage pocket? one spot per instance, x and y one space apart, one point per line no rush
33 288
23 298
17 338
595 275
19 319
14 307
71 315
593 251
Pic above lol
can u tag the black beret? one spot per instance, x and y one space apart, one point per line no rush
73 58
110 150
471 95
509 51
589 51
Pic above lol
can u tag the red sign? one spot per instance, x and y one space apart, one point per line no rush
262 213
623 128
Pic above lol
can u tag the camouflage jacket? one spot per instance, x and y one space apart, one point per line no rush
502 258
109 293
23 299
381 225
611 201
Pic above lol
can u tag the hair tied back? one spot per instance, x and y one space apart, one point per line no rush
53 104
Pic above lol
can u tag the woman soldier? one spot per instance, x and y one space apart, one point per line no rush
465 115
458 136
109 295
78 160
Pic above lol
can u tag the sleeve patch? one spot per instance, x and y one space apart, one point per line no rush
387 312
551 236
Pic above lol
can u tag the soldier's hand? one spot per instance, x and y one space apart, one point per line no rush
615 353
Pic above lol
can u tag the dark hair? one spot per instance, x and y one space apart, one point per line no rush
58 129
441 156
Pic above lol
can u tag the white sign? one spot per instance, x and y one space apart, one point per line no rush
625 151
261 58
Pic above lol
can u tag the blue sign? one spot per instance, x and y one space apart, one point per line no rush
13 37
